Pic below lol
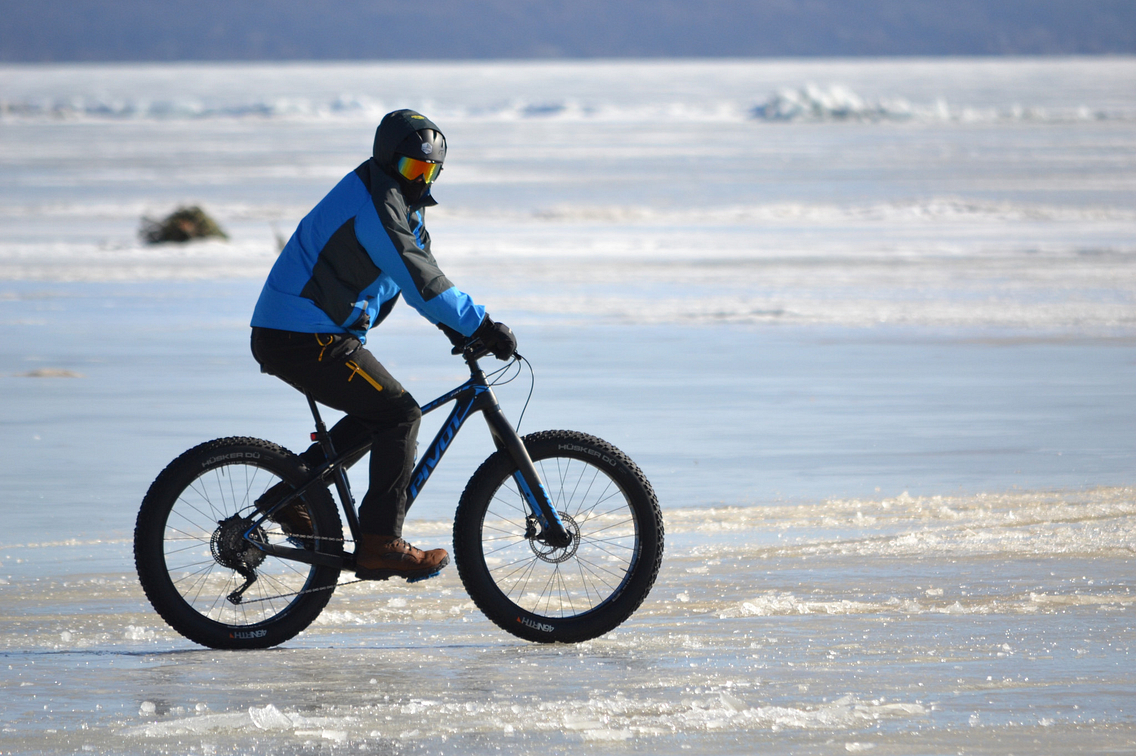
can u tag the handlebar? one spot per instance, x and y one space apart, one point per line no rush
473 350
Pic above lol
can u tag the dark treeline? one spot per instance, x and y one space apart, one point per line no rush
145 30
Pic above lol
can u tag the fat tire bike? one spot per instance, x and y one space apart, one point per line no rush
558 536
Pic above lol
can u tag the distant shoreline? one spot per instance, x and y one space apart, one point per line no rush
460 30
1123 55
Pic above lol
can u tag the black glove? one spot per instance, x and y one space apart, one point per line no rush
455 337
496 337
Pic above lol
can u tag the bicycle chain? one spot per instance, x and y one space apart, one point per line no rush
300 593
309 590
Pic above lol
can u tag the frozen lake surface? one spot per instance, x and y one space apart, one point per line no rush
868 326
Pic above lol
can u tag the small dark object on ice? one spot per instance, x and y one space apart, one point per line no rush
183 224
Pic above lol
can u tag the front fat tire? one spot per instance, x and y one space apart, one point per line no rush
176 545
560 595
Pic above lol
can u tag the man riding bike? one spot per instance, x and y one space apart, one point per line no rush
350 259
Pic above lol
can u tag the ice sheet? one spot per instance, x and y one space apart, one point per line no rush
1001 623
866 325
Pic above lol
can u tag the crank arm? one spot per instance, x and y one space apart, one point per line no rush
301 555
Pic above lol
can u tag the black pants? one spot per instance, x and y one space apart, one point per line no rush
341 373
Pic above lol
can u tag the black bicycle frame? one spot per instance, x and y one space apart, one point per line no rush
475 395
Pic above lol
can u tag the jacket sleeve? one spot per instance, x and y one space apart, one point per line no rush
400 247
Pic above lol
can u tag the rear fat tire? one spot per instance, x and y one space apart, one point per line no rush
544 594
177 537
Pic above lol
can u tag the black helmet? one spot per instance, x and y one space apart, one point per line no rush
410 147
405 132
424 144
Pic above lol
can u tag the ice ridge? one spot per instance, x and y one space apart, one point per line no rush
806 103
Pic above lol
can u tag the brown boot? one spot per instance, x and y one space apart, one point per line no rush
292 519
380 557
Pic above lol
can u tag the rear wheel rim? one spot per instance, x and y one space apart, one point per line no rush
203 551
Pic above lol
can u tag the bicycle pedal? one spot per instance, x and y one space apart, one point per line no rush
375 574
420 578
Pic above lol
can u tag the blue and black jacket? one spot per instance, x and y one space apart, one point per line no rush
352 257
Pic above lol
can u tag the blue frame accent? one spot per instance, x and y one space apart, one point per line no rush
534 500
467 398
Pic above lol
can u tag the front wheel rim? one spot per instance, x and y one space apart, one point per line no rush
562 583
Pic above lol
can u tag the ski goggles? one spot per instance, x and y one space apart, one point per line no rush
411 169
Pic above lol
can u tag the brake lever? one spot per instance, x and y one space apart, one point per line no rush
473 346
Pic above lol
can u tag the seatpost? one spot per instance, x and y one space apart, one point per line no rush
339 476
321 435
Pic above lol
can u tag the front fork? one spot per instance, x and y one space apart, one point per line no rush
552 530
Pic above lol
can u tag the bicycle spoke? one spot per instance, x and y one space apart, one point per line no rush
545 580
520 584
204 505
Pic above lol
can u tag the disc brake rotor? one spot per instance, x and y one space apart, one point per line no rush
557 554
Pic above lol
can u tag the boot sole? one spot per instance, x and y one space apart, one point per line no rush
411 576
